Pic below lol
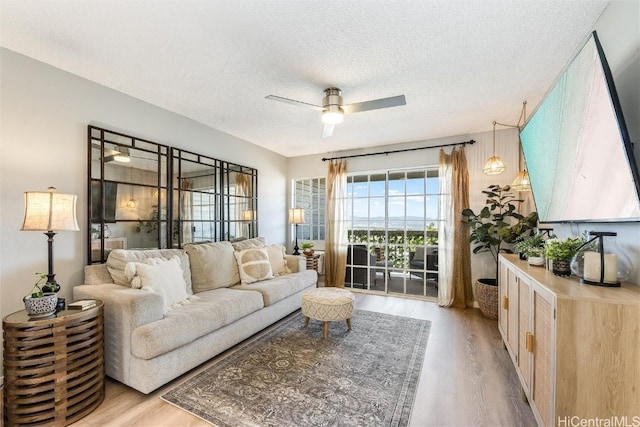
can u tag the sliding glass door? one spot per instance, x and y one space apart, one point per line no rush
392 222
393 238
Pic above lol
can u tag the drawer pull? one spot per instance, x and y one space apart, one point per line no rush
529 342
505 303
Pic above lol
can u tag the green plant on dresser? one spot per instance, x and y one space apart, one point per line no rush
561 252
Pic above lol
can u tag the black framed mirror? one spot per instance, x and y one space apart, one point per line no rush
146 195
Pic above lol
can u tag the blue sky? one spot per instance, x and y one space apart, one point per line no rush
411 199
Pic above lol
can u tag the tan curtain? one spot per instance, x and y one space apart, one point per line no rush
336 231
454 254
186 211
243 195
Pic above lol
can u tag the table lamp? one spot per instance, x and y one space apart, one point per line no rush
296 216
50 212
248 215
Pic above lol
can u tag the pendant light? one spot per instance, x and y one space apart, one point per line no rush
521 181
132 203
494 165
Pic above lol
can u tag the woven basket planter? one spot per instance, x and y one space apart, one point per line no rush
561 268
487 297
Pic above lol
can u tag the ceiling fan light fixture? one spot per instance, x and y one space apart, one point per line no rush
333 115
333 109
122 155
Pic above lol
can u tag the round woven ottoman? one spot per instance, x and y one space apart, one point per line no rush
327 305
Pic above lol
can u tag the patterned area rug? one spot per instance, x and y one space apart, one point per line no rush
288 375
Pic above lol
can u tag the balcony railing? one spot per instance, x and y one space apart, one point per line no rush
395 246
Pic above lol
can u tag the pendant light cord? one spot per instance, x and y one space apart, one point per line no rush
494 137
521 120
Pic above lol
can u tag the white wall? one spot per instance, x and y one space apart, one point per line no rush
43 137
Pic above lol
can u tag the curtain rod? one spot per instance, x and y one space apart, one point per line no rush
470 142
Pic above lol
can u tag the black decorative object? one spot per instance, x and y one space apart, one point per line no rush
561 268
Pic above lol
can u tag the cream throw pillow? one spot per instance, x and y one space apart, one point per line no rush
253 265
256 242
213 266
163 277
118 259
276 259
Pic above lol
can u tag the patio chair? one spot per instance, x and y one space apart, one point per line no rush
381 261
359 255
417 260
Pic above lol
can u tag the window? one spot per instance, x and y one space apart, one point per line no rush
310 195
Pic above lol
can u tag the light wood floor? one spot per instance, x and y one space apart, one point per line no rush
467 378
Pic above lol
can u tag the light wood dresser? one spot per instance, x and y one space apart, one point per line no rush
576 348
53 367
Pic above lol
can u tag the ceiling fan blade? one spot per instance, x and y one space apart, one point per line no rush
294 102
327 130
376 104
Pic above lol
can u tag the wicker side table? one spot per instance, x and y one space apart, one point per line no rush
312 261
53 367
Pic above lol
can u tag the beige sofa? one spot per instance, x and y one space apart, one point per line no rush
169 310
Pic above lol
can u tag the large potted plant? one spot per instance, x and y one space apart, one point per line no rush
493 230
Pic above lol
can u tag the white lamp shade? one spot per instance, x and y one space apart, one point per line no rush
49 211
248 215
494 166
296 216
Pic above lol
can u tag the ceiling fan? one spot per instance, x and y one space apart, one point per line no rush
333 110
117 154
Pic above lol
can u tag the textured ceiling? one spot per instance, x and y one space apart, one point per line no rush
460 64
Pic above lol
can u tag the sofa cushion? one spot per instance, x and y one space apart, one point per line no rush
276 259
118 259
207 312
253 265
256 242
213 266
281 287
163 277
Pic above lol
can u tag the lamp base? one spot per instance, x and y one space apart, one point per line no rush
607 285
296 250
51 287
